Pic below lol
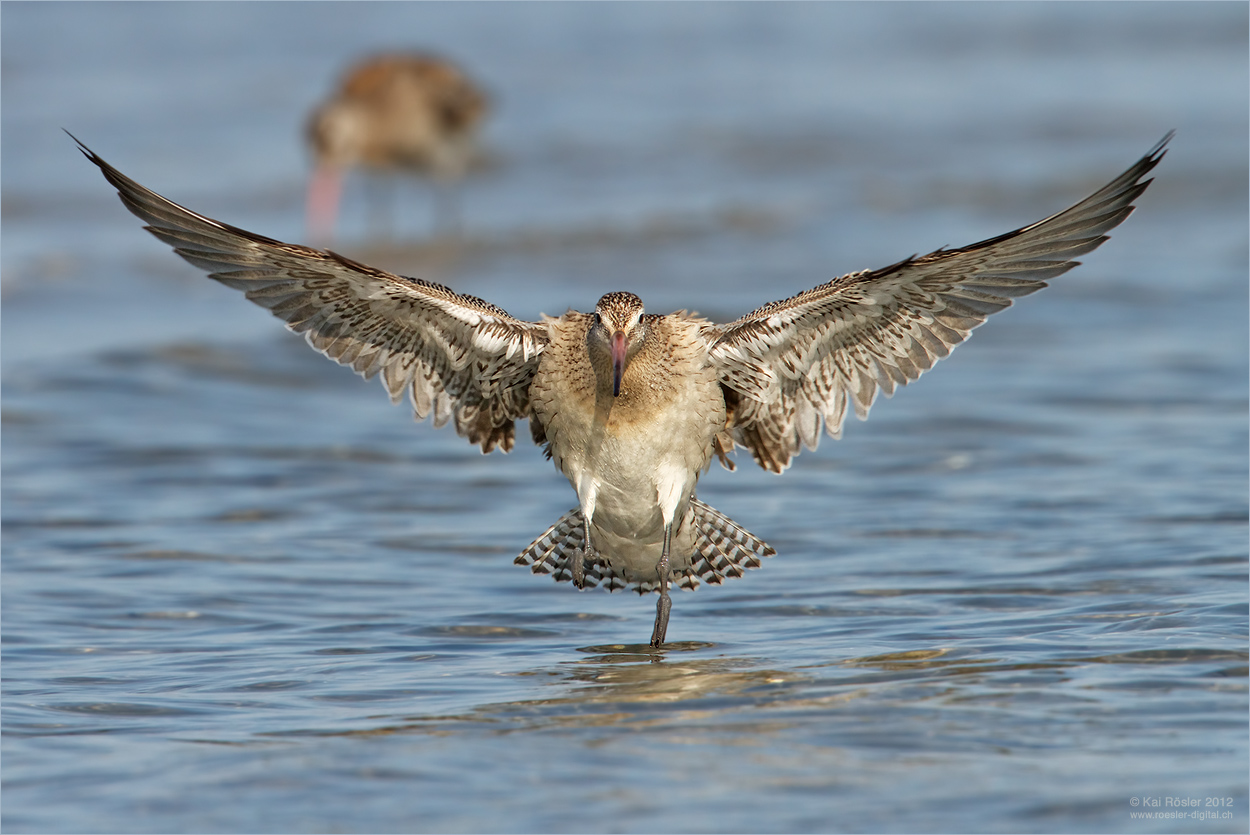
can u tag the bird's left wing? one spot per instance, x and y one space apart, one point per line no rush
794 364
456 355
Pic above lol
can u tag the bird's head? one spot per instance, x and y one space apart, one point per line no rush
618 327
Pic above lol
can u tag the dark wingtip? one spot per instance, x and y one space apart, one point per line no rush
86 152
90 154
1159 151
1152 158
1162 143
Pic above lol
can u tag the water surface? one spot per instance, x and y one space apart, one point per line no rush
243 593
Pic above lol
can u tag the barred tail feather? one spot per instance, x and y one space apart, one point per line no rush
555 549
723 549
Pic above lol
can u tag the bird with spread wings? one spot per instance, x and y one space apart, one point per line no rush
632 406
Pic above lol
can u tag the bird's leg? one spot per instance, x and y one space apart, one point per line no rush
579 562
665 604
587 493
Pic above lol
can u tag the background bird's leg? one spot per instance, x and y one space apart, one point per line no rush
381 187
446 209
324 191
665 604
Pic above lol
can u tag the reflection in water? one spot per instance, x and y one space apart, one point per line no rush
637 686
717 700
636 674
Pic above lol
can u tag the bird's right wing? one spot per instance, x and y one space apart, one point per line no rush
456 355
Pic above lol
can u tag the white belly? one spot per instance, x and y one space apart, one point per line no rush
634 459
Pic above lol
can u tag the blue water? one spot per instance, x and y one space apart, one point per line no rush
243 593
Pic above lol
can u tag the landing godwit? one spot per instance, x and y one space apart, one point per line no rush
632 406
397 112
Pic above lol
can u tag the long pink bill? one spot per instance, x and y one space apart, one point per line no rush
618 361
323 200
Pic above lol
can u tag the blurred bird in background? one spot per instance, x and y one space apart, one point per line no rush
394 113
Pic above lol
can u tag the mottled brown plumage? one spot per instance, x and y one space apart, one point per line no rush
394 112
632 406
